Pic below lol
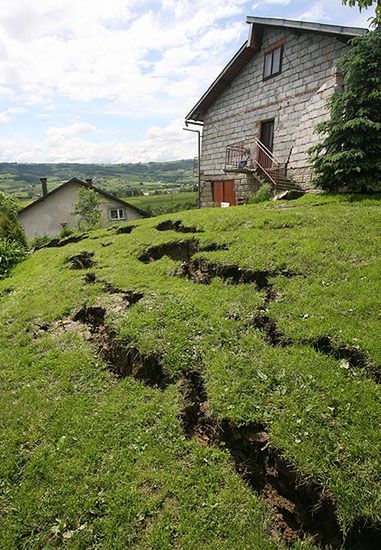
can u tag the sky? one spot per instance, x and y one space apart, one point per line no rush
111 81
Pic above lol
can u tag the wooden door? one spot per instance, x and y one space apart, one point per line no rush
224 191
267 138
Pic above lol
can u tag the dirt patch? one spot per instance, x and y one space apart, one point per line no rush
300 506
178 250
83 260
125 229
170 225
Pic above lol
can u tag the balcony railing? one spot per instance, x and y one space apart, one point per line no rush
250 155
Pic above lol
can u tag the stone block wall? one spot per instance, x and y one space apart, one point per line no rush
295 99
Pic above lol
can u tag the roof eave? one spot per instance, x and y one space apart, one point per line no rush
338 30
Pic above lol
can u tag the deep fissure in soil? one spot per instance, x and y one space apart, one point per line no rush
300 506
122 358
170 225
83 260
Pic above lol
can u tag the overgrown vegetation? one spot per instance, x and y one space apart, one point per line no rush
263 194
208 389
12 236
349 156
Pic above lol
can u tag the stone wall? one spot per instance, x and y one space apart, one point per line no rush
295 99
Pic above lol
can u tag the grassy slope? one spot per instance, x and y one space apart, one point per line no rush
102 462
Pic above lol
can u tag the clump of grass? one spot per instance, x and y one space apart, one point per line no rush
263 194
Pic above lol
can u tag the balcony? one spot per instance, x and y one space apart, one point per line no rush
250 156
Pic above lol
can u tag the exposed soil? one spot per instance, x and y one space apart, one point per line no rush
178 250
355 358
170 225
125 229
90 278
272 335
58 242
122 358
83 260
202 271
300 506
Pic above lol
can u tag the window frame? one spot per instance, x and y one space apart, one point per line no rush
271 52
119 217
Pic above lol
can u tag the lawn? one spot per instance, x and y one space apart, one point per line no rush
210 380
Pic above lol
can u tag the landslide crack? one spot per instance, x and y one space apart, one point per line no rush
202 271
178 250
83 260
122 358
125 229
170 225
300 506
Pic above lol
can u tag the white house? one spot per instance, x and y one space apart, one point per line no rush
49 214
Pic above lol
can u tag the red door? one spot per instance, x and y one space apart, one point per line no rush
267 138
224 191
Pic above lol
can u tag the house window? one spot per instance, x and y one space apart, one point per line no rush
273 63
117 214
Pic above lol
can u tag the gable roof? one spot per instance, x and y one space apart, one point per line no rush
84 184
253 46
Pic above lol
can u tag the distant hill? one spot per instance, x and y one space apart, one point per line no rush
23 179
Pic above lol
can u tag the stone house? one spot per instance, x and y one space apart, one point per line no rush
259 115
49 214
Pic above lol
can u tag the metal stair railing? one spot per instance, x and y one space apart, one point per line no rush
249 154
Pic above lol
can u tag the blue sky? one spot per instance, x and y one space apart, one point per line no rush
111 80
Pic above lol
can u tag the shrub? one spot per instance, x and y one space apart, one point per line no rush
66 231
11 252
263 194
10 227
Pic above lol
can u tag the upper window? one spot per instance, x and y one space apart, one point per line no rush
117 214
273 63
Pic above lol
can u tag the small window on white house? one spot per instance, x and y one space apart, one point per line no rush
117 214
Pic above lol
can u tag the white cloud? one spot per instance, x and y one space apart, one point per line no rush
71 131
68 144
8 115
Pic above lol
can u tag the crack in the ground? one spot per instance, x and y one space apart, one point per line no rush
300 506
58 242
122 358
83 260
170 225
179 250
125 229
202 271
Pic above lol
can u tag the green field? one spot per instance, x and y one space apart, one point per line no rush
208 380
159 204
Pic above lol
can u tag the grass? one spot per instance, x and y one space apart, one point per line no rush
91 460
161 204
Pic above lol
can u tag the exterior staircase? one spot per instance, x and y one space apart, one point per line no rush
252 156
